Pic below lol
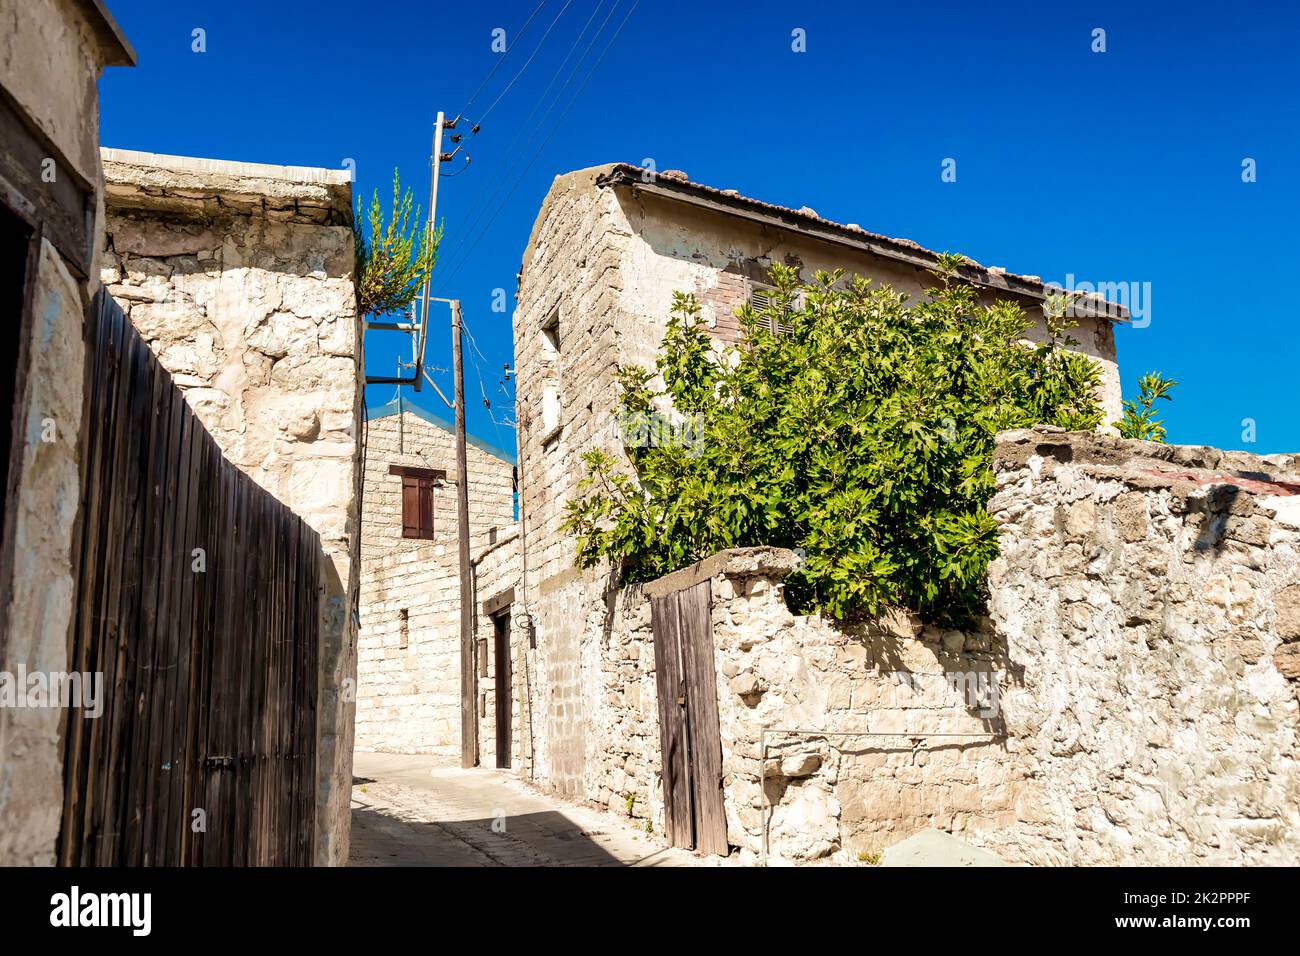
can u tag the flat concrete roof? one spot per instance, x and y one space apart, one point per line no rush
308 175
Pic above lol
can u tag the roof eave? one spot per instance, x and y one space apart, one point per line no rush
795 222
116 48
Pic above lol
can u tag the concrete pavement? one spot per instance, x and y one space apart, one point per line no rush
415 810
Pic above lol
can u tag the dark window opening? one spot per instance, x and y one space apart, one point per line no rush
551 335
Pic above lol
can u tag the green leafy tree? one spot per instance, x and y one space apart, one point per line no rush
396 254
849 424
1139 419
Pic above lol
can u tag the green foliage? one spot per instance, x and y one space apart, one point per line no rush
863 436
1139 419
393 260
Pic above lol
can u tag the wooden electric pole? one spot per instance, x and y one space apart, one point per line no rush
468 659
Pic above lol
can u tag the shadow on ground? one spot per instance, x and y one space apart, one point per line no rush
382 838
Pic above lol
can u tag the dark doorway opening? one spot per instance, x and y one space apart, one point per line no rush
17 265
504 704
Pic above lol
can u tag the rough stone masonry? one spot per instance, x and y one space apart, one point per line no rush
1131 699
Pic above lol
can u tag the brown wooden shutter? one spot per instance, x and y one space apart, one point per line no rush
426 507
410 507
418 485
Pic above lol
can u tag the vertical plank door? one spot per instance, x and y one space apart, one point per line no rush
673 740
696 636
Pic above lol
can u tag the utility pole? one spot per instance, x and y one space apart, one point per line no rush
420 329
468 662
435 162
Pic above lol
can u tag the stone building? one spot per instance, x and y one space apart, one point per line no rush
240 278
51 55
408 692
1132 698
609 247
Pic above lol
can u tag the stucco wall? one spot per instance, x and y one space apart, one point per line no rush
50 62
680 248
239 276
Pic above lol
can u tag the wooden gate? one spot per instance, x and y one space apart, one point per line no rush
690 743
198 602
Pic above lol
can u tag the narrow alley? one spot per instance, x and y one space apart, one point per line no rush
416 810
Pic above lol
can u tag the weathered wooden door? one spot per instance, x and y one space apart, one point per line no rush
198 601
688 720
501 651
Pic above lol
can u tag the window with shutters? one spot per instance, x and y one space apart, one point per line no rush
761 296
418 485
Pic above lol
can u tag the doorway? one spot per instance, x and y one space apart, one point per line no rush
504 703
18 248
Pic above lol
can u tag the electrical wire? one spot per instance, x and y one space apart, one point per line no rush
456 258
527 63
512 152
478 373
502 58
447 279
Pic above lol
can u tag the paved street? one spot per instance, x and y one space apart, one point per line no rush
415 810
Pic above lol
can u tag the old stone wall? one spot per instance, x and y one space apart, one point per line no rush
835 740
1133 698
408 652
240 278
408 689
1150 597
595 289
568 331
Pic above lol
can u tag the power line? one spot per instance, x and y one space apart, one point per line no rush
538 152
540 44
457 259
514 154
478 373
502 58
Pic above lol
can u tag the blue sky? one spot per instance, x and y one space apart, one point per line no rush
1122 166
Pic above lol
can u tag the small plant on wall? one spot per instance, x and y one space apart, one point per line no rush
394 254
850 423
1139 419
